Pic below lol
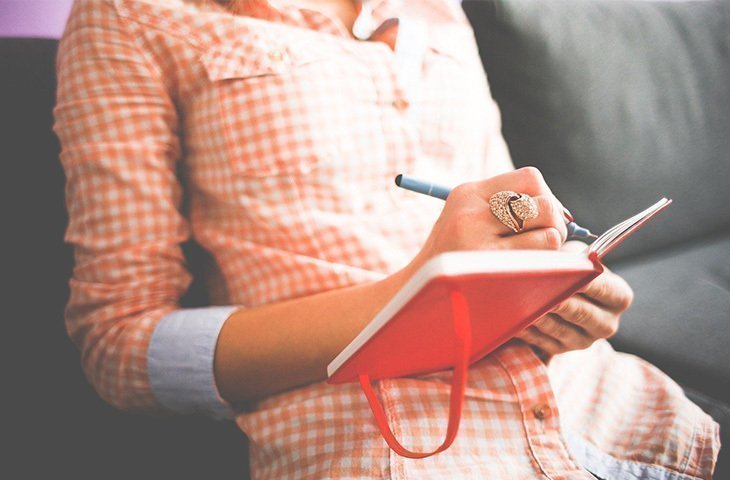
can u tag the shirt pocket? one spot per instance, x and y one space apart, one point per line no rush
263 92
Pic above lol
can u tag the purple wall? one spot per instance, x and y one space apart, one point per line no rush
33 18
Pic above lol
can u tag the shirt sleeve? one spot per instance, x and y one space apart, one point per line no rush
180 361
117 126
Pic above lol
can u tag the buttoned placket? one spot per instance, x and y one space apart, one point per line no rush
540 415
400 93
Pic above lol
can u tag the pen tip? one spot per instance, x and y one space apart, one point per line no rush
398 179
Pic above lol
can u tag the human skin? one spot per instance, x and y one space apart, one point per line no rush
593 313
265 350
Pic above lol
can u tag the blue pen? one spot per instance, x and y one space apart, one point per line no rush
575 232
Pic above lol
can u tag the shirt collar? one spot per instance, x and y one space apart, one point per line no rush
287 11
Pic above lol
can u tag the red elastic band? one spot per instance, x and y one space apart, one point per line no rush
462 329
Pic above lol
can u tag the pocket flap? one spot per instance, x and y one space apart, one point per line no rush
236 60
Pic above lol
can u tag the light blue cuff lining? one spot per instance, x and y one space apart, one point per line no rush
605 466
180 361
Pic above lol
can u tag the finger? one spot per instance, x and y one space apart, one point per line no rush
609 290
540 239
574 246
596 321
526 180
566 213
549 214
571 336
535 337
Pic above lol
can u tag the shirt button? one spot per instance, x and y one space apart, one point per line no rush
400 104
542 411
277 55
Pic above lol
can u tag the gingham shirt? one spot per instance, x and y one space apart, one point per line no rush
272 137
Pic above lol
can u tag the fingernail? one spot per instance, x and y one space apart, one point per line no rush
568 216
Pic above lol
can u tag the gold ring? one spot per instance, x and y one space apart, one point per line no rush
512 209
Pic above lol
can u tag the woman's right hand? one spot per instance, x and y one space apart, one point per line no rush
271 348
467 222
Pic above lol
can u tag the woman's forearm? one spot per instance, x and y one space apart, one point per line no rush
269 349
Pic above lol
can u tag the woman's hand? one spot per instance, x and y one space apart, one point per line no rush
467 222
592 313
275 347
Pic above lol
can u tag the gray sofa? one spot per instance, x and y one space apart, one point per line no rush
621 102
618 102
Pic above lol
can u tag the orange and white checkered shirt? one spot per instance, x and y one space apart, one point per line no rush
272 137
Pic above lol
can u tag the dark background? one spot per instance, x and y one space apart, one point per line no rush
58 425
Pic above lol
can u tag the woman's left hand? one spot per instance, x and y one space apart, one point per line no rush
591 314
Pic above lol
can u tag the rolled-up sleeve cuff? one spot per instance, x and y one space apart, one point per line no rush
180 361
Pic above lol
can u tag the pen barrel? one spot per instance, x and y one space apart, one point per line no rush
426 188
575 231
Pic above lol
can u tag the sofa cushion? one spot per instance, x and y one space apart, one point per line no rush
680 319
618 102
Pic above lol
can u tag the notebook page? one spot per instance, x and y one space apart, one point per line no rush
614 235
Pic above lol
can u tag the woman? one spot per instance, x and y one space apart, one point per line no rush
271 134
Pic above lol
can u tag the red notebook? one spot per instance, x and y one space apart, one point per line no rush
459 307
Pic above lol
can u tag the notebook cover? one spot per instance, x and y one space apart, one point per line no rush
419 338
